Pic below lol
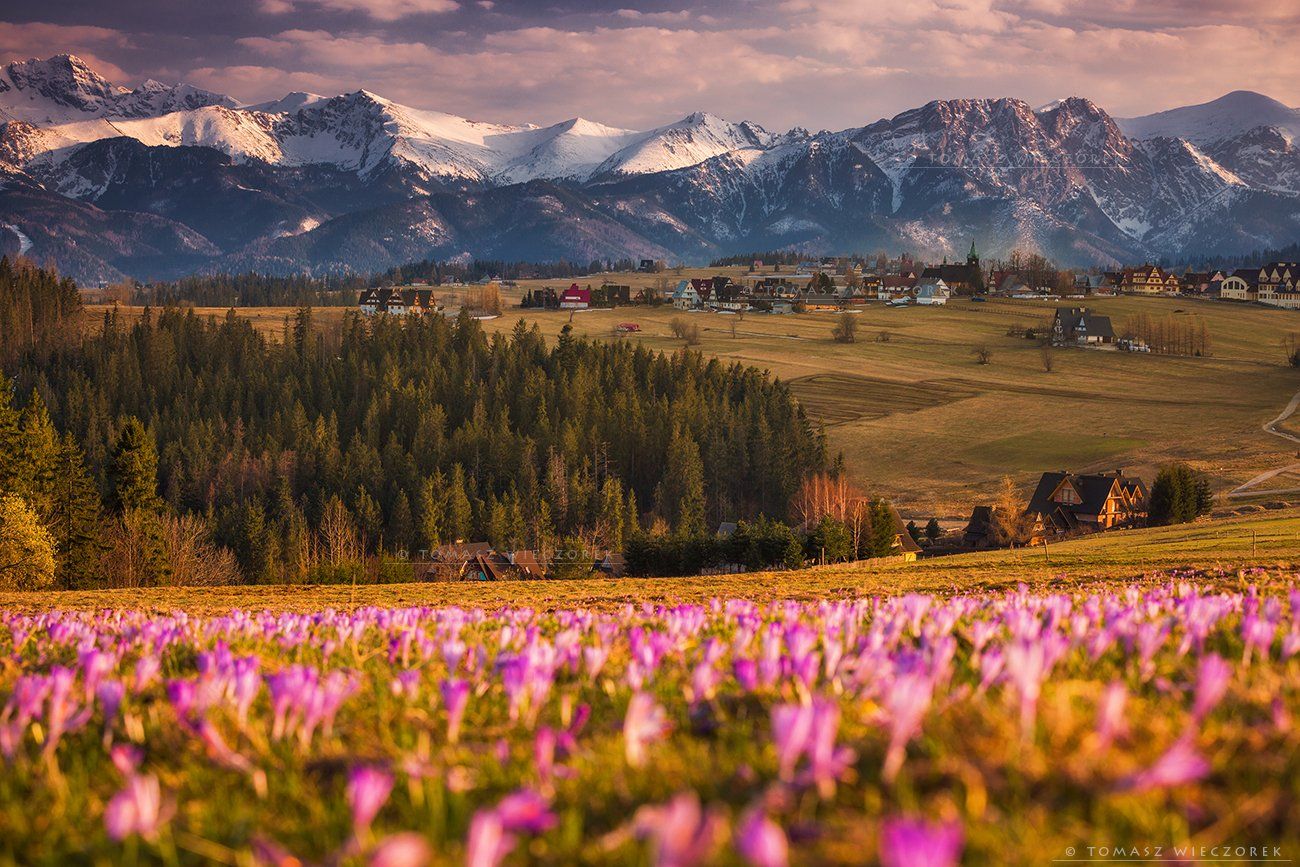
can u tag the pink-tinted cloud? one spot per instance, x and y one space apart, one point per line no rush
380 10
38 39
815 63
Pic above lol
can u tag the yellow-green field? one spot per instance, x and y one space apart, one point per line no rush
921 422
1266 539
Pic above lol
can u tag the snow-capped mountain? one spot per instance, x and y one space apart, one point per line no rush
160 181
1226 117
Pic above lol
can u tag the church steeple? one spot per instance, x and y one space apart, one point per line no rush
972 258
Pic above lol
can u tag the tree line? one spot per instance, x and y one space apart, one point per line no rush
179 437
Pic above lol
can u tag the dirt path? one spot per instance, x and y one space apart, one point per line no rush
1246 490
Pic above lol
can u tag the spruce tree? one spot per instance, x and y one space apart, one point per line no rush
133 469
76 519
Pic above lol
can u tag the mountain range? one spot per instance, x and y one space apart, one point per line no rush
162 180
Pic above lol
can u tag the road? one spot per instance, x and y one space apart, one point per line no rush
1271 427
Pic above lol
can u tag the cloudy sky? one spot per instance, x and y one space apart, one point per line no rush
813 63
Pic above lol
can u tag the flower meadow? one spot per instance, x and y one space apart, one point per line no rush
1006 728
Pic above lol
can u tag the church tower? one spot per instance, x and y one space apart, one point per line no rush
972 258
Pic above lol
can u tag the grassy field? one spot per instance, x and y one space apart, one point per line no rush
1266 539
920 421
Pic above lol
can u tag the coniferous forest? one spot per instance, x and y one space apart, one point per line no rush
196 444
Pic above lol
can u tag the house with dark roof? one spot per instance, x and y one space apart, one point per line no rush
1066 502
979 533
1080 326
967 279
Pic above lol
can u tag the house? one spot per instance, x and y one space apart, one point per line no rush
479 561
1149 280
575 298
965 279
817 301
1200 282
904 545
894 286
396 301
1066 502
627 328
1079 325
980 532
686 296
1240 285
648 266
932 292
1279 284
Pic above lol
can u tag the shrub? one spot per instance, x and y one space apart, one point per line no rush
1180 494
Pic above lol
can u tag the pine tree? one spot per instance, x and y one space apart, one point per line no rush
40 454
457 510
429 507
401 526
133 469
11 451
76 520
681 492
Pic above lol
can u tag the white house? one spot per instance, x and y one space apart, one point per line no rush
932 292
685 297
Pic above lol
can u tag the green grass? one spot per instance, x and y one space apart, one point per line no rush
1031 452
1269 539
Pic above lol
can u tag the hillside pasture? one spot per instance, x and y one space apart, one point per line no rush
920 421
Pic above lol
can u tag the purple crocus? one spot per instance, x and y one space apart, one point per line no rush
1111 722
1180 764
645 723
455 695
136 809
368 790
760 841
407 849
907 701
525 812
681 834
488 842
1213 675
915 843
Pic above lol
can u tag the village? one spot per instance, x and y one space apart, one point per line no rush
845 284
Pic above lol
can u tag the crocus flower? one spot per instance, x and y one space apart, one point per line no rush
368 790
645 723
1110 714
680 833
915 843
401 850
906 703
760 841
1180 764
136 809
1213 674
525 811
791 728
488 842
455 695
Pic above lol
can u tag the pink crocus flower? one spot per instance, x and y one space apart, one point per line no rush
915 843
791 729
1111 722
645 723
488 842
1213 674
906 703
136 809
526 812
455 695
760 841
681 834
407 849
1180 764
368 790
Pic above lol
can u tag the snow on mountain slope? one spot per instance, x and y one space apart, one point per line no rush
1230 115
688 142
571 149
64 89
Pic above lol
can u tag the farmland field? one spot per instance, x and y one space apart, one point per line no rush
922 423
